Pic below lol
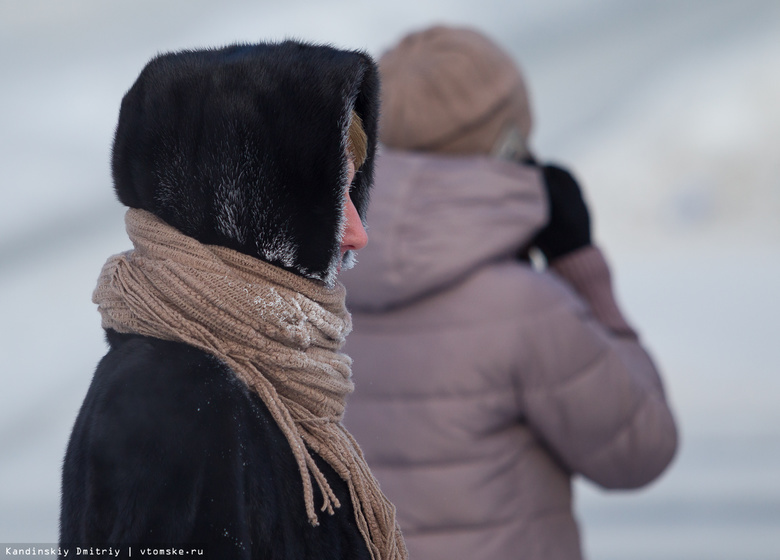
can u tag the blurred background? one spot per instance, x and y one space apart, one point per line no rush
668 111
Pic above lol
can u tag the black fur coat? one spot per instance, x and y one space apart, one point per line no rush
242 147
171 448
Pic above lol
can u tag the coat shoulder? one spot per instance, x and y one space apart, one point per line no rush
162 423
171 447
153 391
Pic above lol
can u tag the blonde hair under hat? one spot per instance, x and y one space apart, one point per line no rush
452 90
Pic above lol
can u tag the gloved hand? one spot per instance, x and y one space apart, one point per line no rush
568 228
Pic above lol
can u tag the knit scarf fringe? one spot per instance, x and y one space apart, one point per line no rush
280 333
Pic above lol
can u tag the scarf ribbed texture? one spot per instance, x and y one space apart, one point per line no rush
281 335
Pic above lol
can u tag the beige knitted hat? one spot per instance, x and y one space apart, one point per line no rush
451 90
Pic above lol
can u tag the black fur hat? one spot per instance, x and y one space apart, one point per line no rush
245 147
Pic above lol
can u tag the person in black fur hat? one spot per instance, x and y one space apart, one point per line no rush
215 417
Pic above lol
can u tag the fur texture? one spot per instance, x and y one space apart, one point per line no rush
245 146
170 448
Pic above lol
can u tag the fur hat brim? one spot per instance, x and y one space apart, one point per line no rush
245 147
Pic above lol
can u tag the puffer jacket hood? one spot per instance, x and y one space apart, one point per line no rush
435 219
245 147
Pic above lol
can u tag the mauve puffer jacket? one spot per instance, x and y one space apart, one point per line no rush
483 385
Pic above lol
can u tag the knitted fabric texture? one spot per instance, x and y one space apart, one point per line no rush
451 90
281 335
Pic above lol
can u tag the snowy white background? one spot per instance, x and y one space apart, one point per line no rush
668 112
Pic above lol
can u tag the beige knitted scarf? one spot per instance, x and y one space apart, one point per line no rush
280 333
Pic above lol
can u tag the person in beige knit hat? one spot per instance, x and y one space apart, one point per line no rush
484 384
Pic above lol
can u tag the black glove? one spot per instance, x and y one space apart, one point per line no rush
568 228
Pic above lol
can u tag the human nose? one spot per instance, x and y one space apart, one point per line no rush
355 237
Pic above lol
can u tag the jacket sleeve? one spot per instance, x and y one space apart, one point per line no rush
595 397
150 461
